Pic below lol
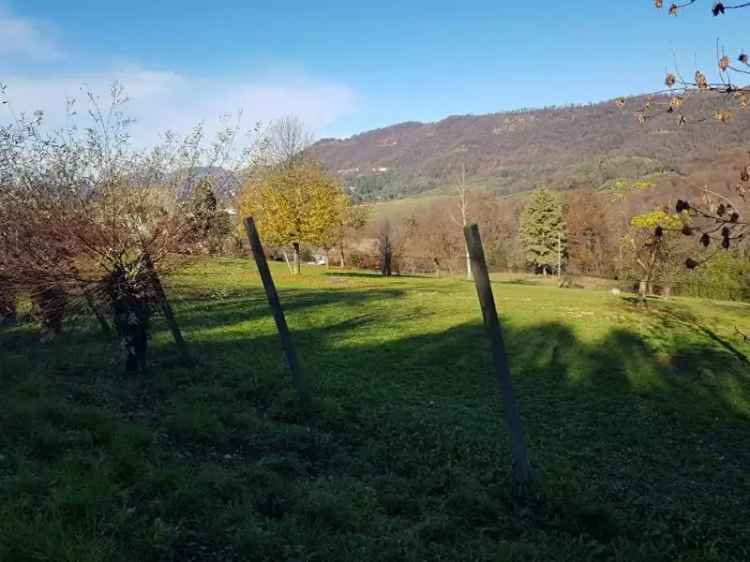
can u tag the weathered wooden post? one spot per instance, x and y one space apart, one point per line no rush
166 310
521 467
278 313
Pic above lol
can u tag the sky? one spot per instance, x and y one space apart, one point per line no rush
341 67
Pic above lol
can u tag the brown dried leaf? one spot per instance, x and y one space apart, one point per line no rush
723 115
700 80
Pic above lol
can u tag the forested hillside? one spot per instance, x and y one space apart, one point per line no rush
563 147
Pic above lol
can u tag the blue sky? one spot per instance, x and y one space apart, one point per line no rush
344 67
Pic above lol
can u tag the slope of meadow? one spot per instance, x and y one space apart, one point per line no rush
637 420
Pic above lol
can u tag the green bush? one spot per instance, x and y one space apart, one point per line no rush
726 276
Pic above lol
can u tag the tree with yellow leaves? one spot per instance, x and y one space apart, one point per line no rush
294 205
353 219
657 249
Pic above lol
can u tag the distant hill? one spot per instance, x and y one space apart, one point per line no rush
563 147
225 183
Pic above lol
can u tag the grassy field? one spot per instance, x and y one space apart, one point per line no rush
398 209
637 420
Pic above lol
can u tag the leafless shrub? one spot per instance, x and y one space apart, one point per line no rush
82 211
391 240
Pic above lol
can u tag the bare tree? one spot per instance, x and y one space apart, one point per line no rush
391 241
84 216
287 140
679 87
717 218
462 217
354 220
385 247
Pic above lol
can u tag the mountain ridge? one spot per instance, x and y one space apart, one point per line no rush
565 147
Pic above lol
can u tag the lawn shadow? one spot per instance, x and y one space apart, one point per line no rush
520 281
689 320
610 421
252 304
374 275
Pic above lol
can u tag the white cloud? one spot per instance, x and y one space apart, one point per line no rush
161 100
26 39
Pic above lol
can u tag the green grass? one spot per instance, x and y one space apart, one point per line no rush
637 420
398 209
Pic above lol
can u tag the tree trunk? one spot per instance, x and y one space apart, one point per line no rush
137 348
341 257
51 302
296 267
469 276
288 264
643 288
667 291
130 312
387 258
167 311
103 324
387 270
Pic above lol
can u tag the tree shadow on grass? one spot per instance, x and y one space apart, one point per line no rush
253 304
521 281
689 320
593 393
609 420
660 442
374 275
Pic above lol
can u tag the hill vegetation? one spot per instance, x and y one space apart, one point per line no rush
568 147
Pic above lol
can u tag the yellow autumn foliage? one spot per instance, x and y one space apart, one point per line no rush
300 204
660 218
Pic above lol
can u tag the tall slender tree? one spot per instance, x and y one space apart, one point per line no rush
462 218
210 222
542 231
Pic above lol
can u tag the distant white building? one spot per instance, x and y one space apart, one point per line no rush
347 171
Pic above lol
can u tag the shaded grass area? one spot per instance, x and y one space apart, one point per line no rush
637 420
